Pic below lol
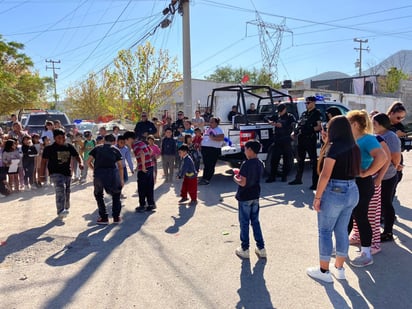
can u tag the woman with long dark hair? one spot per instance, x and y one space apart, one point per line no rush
336 196
382 127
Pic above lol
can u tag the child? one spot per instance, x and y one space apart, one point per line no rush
29 154
78 145
126 156
155 154
4 186
197 141
45 141
247 195
192 151
35 138
168 150
10 154
57 157
88 145
189 175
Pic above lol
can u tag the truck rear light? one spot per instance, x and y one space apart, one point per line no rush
245 136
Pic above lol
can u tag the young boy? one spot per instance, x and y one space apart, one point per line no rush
247 195
168 151
126 155
189 174
88 144
57 157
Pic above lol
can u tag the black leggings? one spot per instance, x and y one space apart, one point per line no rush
366 189
388 212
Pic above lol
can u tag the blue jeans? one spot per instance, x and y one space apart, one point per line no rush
338 200
62 189
249 212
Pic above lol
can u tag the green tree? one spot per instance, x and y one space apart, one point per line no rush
145 77
392 80
227 74
87 101
19 86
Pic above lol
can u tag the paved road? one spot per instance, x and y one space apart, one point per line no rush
183 257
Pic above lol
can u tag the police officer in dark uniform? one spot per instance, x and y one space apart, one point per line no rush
284 124
306 131
106 162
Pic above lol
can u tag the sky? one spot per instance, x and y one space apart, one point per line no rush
86 35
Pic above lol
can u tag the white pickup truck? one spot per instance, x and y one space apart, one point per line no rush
246 126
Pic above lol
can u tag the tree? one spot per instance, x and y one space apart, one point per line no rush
19 86
227 74
88 100
391 82
145 77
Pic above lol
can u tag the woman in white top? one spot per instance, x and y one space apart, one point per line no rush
210 147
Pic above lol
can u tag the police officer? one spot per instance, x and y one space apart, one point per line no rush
284 123
306 131
106 161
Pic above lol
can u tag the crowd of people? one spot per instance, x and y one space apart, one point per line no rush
354 179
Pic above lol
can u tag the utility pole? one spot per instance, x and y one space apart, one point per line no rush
187 63
54 77
358 63
182 7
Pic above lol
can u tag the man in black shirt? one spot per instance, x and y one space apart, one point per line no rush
106 161
144 127
306 131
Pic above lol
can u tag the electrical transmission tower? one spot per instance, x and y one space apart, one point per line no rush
270 37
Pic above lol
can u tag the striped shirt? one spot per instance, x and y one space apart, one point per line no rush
141 147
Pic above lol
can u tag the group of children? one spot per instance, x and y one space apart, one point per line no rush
20 162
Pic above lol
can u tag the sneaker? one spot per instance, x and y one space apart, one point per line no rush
183 200
151 207
117 220
386 237
338 273
244 254
102 221
375 250
63 214
315 273
203 182
295 182
362 260
140 209
261 253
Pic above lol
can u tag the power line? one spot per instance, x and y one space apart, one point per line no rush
102 39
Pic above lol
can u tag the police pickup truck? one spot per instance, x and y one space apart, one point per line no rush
246 126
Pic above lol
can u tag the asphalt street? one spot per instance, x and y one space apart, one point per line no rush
183 257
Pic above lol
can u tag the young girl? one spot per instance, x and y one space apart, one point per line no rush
29 154
35 138
155 153
10 154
